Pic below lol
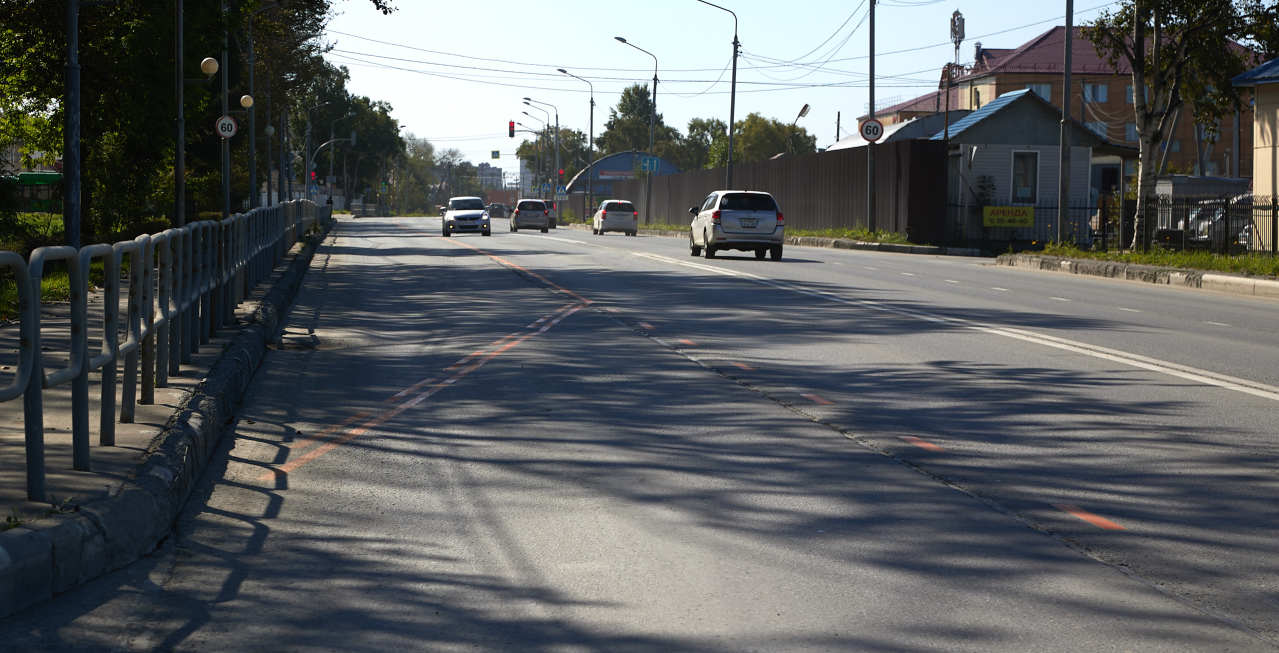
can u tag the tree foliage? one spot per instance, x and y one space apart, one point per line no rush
128 99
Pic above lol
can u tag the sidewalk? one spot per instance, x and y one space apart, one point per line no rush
103 519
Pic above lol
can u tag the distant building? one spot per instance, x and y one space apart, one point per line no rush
489 176
1101 95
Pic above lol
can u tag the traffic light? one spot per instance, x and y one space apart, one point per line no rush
510 129
561 172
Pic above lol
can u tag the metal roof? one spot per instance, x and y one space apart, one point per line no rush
983 113
1266 73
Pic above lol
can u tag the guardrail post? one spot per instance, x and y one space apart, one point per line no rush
108 357
164 303
190 297
148 319
133 327
208 251
79 349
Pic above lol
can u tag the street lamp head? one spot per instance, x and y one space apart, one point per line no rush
527 99
803 112
246 101
209 66
562 70
620 39
270 131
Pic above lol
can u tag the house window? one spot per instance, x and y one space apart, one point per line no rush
1025 177
976 98
1044 91
1130 131
1096 92
1098 128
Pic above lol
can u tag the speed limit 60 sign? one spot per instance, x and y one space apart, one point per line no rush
872 129
226 127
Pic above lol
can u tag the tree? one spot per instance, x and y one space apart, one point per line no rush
695 148
759 138
627 125
1177 49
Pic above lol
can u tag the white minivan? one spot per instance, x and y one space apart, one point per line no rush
737 219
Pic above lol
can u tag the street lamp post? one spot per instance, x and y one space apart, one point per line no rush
652 119
253 151
557 135
590 145
537 143
330 178
306 151
732 97
546 125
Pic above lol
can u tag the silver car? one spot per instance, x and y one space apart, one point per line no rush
530 214
737 219
615 215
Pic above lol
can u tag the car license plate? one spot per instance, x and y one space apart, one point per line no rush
749 222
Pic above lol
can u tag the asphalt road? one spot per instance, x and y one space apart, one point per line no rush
568 442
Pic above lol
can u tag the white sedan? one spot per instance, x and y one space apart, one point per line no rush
615 215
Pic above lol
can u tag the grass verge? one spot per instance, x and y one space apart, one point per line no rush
1257 265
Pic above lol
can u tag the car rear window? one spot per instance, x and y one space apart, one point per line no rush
621 206
466 205
531 205
747 202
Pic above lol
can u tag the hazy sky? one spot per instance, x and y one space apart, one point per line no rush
455 72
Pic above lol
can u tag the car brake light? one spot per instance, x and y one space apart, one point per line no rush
715 217
517 212
780 218
635 214
603 214
546 212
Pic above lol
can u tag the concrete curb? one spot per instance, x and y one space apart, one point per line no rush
1227 283
65 550
833 243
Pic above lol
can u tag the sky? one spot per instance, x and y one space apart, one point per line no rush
455 72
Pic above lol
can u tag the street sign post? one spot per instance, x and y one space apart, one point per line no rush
226 127
871 130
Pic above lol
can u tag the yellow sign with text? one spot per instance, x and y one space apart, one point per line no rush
1008 216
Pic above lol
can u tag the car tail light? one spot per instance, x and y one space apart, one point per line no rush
715 217
635 214
517 212
546 212
603 214
781 219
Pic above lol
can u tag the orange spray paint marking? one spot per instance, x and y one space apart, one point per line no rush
743 366
817 399
1084 515
921 443
687 342
647 327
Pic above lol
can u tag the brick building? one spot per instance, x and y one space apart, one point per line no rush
1101 97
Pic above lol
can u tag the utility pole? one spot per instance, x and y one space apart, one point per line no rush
1063 176
71 131
870 146
180 140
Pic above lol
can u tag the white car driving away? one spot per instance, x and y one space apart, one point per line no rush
615 215
737 219
466 214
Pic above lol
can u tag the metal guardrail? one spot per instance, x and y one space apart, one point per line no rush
184 283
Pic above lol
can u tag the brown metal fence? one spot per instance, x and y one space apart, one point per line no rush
826 190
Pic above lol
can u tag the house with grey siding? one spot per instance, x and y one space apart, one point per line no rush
1005 155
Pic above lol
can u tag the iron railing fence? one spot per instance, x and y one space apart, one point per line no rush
996 229
183 284
1228 225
